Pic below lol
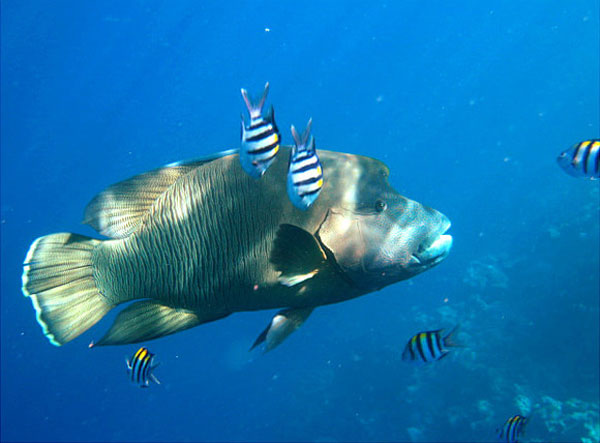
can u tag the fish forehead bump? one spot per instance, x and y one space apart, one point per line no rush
352 163
345 172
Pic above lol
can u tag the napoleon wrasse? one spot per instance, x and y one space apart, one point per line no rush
194 242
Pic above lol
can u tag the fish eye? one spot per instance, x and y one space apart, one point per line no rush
380 206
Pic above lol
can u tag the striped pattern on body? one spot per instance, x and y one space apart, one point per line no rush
260 139
425 347
139 367
582 159
512 428
305 173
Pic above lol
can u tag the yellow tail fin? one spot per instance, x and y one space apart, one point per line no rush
58 277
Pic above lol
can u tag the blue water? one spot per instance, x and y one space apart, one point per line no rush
468 103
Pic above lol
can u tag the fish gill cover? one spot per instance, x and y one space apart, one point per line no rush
469 106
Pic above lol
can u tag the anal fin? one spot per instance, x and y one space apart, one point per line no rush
147 320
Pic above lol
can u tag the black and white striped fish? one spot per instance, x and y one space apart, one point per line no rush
305 173
140 368
260 139
512 428
582 159
428 346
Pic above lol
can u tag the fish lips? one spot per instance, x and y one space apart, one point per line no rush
434 250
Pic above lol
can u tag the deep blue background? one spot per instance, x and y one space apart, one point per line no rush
468 104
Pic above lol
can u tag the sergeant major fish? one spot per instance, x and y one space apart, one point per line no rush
305 173
512 428
140 368
582 160
260 139
428 346
197 241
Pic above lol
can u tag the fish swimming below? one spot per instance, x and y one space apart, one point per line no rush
140 367
512 429
260 139
305 173
196 241
582 160
429 346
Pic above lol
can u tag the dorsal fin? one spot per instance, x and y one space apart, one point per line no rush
117 211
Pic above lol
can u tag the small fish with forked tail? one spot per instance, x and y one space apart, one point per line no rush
429 346
140 368
305 173
260 139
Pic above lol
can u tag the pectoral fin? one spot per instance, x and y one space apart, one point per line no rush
147 320
281 326
297 254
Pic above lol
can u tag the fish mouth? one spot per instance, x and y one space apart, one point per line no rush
432 251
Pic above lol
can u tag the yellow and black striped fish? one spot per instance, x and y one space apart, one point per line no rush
140 368
582 159
305 173
428 346
260 139
512 428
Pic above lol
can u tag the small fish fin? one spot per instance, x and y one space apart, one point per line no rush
302 141
118 210
154 379
444 354
296 254
58 277
147 320
255 109
281 326
449 338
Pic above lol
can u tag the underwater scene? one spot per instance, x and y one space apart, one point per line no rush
398 240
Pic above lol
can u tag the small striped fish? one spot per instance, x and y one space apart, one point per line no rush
305 173
582 159
140 368
428 346
512 428
260 139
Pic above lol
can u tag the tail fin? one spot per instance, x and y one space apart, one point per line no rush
449 339
255 109
58 276
302 140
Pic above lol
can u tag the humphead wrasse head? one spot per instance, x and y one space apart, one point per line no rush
377 236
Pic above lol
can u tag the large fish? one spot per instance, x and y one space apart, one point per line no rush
194 242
